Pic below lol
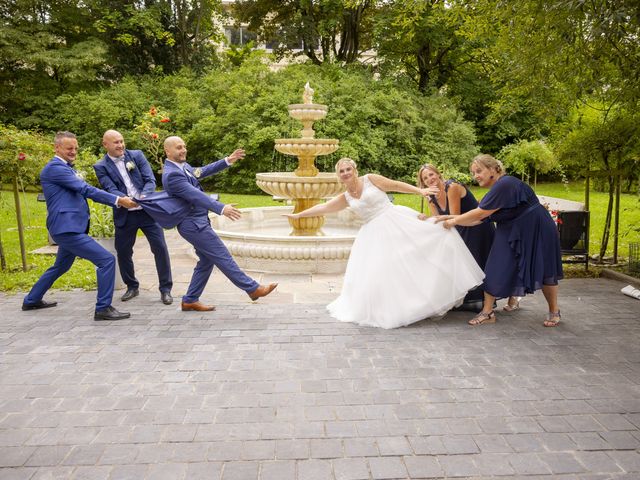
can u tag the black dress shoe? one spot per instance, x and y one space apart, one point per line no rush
129 294
110 313
166 298
38 305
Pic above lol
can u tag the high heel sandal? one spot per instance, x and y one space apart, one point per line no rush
553 319
483 318
512 308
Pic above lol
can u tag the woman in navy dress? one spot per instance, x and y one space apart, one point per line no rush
525 256
453 199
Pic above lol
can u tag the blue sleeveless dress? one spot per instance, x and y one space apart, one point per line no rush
526 249
478 239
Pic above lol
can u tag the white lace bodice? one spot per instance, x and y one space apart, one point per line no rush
371 203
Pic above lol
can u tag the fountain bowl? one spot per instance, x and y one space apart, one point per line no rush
307 146
289 185
260 241
307 111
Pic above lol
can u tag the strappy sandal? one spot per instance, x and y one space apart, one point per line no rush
483 318
552 320
512 308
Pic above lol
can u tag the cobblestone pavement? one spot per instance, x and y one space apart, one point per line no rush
278 390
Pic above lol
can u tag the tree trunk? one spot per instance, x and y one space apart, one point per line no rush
3 259
424 68
350 36
607 222
23 250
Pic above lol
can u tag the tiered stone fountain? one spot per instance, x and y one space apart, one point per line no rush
263 241
306 186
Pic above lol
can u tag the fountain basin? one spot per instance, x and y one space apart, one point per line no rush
307 146
260 241
289 185
307 111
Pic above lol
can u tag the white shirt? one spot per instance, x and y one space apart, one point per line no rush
132 191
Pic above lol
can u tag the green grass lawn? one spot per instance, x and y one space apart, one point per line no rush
82 274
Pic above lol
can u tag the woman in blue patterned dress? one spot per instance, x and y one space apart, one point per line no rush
525 255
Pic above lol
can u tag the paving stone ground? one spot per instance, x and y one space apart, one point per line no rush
277 390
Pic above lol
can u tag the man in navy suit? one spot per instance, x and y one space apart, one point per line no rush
180 180
68 223
127 172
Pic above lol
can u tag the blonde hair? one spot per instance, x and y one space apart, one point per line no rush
346 160
426 166
488 161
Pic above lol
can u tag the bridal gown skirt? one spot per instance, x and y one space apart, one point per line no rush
402 270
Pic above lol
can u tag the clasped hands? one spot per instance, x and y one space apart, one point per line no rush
126 202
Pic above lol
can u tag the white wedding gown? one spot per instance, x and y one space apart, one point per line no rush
401 269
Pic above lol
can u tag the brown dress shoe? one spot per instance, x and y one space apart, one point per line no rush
197 307
262 291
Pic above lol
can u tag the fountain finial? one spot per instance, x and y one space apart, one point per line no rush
307 96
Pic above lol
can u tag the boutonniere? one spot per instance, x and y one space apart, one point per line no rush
130 166
197 172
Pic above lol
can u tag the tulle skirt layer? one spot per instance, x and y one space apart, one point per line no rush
402 270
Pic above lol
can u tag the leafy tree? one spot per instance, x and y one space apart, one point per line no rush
605 144
420 38
327 30
22 156
524 156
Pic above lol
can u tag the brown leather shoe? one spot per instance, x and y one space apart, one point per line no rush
262 291
197 307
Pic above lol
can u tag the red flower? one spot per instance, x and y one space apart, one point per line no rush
165 120
22 156
154 136
559 221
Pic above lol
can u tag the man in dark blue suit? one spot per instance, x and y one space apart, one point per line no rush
68 223
180 180
127 172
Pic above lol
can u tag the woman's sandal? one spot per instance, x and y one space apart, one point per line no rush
512 308
482 318
552 320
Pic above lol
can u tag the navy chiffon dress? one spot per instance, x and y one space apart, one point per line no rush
478 239
526 250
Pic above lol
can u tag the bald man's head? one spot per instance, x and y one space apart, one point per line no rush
113 143
175 149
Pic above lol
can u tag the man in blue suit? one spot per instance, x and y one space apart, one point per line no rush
128 173
180 180
68 223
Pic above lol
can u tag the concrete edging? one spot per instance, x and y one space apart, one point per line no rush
608 273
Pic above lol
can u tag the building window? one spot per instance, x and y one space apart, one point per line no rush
239 35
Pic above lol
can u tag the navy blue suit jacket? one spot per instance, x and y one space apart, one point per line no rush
66 196
141 176
177 183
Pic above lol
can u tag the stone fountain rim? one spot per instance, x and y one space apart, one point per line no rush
302 239
291 177
307 106
303 141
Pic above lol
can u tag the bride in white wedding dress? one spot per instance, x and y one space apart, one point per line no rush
401 269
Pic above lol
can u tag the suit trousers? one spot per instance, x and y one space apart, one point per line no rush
125 240
211 252
70 246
